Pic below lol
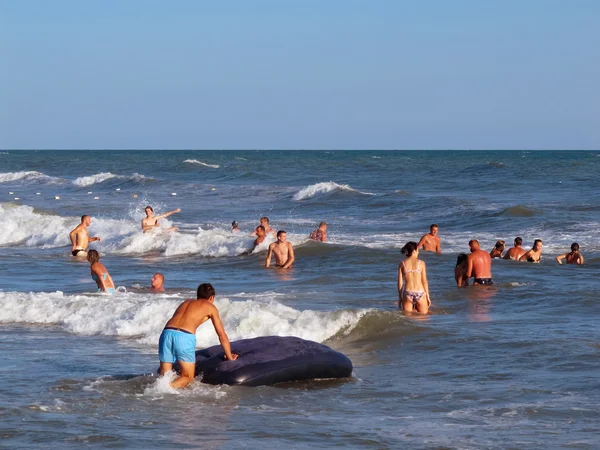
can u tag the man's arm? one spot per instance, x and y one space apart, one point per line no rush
223 339
73 237
559 258
421 242
269 254
162 216
291 257
525 256
438 247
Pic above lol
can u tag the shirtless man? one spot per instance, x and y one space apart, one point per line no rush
178 339
283 251
517 251
151 221
80 238
320 234
158 280
261 234
479 264
535 254
264 221
431 241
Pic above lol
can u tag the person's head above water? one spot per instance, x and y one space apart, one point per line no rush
93 256
518 241
433 229
87 220
409 248
260 230
281 235
499 244
473 245
537 244
148 210
461 259
157 282
574 247
205 292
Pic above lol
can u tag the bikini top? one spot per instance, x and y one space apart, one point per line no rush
418 270
95 277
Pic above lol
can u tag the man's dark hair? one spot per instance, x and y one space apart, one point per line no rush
205 290
518 241
149 207
260 227
83 217
433 225
280 232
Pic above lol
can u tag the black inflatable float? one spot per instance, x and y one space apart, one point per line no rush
269 360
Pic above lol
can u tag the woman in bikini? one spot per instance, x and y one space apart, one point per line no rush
535 254
572 258
412 276
99 273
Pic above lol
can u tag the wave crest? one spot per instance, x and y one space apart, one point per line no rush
104 176
200 163
519 211
30 175
324 188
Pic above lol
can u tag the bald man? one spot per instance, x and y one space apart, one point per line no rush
157 283
479 264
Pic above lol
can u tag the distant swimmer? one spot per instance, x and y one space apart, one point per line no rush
99 273
177 342
498 249
320 234
479 264
80 237
235 227
515 252
535 254
413 295
264 221
572 258
261 234
431 241
283 251
460 270
150 222
157 283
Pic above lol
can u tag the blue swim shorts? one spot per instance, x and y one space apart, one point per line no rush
176 345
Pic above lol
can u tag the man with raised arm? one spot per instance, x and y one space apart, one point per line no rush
151 221
283 251
431 241
80 238
479 264
178 340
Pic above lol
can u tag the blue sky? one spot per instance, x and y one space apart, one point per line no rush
291 74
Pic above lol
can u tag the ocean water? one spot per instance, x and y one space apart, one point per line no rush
511 366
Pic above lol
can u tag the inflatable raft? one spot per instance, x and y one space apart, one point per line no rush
270 360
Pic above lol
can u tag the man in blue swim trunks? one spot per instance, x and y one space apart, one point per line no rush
178 339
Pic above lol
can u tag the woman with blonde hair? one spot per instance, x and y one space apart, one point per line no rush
413 289
99 273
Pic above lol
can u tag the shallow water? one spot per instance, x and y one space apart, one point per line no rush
510 366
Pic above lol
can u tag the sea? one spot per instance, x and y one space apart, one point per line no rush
511 366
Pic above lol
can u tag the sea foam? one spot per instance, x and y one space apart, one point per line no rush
324 188
104 176
200 163
27 176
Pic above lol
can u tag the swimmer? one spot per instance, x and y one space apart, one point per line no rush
572 258
99 273
283 251
157 282
535 254
415 296
431 241
261 234
497 250
177 342
264 221
151 221
81 239
460 270
234 227
515 252
320 234
479 264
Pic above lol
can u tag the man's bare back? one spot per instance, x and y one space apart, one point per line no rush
479 264
80 238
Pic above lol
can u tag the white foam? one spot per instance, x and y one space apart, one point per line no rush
323 188
102 177
141 317
27 176
200 163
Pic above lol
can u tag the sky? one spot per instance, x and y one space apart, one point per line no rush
300 74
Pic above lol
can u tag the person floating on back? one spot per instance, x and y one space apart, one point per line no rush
150 222
479 264
515 252
81 239
283 251
177 342
574 257
320 234
431 241
413 295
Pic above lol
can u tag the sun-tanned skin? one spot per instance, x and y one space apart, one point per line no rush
535 254
264 221
479 262
515 252
150 222
431 241
189 316
80 238
283 251
157 283
260 235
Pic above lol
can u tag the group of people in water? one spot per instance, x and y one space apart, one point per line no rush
177 342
